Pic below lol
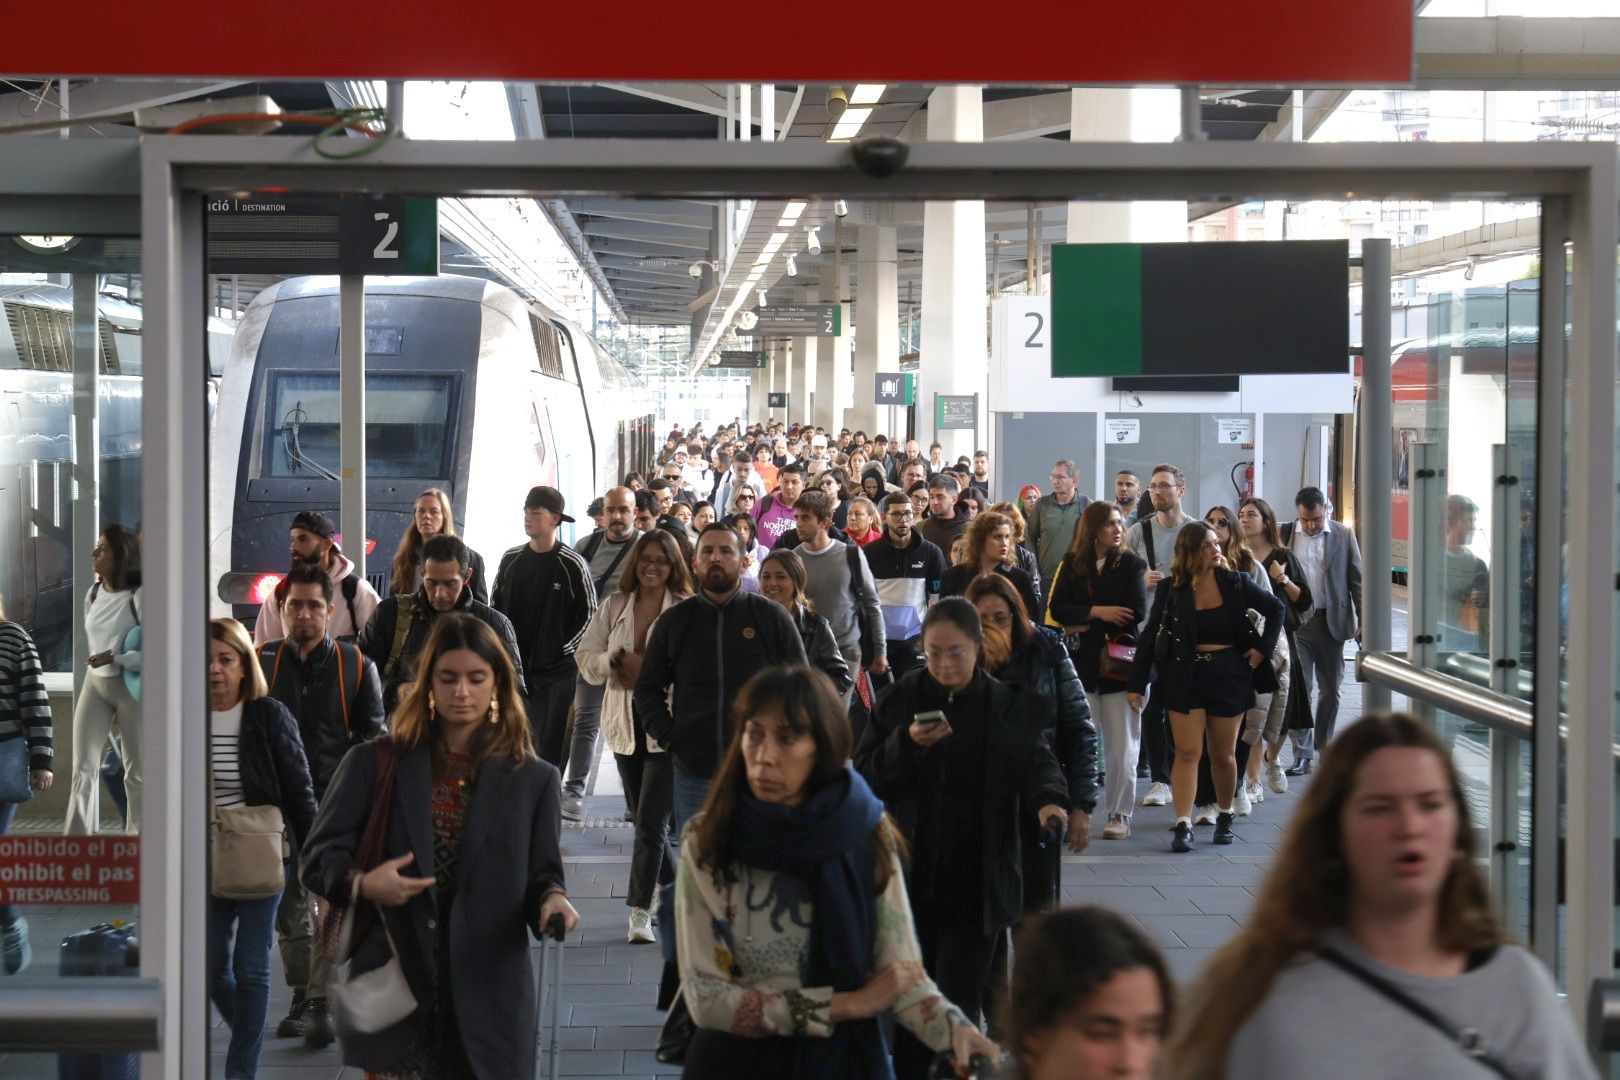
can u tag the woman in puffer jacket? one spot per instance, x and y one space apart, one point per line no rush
655 579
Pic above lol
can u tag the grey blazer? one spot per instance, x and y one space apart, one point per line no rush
509 858
1341 577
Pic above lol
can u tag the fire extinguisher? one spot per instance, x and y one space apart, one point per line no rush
1244 490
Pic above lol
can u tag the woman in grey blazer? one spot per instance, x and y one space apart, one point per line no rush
470 864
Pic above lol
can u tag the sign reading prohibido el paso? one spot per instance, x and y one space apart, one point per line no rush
1255 308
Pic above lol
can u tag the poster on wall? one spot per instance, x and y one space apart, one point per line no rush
1234 432
1119 432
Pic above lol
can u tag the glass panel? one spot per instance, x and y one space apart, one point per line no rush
407 425
70 521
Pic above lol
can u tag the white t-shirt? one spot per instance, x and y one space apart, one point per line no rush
108 619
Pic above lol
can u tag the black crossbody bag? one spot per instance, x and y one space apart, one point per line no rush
1468 1040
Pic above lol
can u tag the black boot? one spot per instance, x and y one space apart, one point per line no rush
1182 839
317 1025
1223 828
292 1025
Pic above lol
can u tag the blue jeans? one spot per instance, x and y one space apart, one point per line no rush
8 811
690 791
239 977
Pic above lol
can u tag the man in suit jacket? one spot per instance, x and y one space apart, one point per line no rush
1332 560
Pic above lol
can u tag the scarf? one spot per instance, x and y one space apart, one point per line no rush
826 841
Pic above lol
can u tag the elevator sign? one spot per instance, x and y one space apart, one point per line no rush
376 235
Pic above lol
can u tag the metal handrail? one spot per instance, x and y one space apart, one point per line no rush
92 1014
1456 696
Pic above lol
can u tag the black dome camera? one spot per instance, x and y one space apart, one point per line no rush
879 156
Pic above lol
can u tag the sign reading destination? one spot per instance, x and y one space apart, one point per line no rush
323 234
1122 431
55 870
741 358
895 388
776 399
1242 43
1252 308
800 320
956 412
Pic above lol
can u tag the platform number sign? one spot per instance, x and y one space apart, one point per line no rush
323 234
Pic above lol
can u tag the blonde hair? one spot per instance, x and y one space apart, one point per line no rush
234 634
403 579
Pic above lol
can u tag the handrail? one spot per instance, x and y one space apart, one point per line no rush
93 1014
1496 711
1456 696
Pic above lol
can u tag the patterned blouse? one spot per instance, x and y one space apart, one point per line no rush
745 951
452 793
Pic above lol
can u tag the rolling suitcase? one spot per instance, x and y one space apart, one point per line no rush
545 1043
105 949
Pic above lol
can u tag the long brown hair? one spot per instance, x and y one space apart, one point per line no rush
991 583
407 557
806 700
1268 520
1307 892
1188 560
125 548
1082 554
413 723
679 584
977 537
1236 549
792 565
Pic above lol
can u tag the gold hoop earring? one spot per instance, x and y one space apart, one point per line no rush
433 705
494 711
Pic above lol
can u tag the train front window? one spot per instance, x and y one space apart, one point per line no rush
407 425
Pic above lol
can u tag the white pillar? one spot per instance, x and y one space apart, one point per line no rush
804 377
877 346
953 356
781 372
832 359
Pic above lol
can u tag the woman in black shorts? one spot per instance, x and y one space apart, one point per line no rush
1206 674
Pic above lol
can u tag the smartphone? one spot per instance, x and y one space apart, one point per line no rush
102 656
931 718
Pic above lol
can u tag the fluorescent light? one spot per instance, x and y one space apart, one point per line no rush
849 124
867 94
790 216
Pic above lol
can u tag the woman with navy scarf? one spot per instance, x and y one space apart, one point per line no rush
793 925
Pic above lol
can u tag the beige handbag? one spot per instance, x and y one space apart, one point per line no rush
380 998
248 851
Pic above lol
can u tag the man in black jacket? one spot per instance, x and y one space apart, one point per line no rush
398 629
907 570
333 692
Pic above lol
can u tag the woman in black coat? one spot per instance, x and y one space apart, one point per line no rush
1099 596
1021 654
256 759
961 760
1257 522
470 864
1208 670
782 578
988 547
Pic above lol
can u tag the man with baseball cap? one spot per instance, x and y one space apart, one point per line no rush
544 587
313 540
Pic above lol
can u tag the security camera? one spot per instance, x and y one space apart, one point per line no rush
695 270
879 156
747 321
837 101
840 208
812 242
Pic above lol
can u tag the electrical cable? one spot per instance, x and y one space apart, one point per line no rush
360 120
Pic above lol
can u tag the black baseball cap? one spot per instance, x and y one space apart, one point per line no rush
548 498
314 521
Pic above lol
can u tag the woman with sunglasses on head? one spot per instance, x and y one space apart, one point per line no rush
1206 667
1287 709
961 760
1097 597
753 552
835 483
655 579
1373 933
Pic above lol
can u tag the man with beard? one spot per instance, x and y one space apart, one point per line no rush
1128 496
704 649
312 542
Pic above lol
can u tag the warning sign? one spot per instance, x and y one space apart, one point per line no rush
70 869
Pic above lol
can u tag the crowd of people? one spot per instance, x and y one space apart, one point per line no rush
859 708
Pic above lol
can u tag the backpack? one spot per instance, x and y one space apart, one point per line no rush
404 616
337 655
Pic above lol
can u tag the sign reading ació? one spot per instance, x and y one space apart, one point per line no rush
375 235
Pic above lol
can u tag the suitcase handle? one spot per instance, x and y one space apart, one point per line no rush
556 927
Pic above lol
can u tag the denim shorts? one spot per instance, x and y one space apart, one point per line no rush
1222 684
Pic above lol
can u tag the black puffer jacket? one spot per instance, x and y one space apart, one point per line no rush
274 769
1043 667
377 639
310 689
821 648
706 651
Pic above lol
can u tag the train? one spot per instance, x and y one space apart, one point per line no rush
470 388
37 486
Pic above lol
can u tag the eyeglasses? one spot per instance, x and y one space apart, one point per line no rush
899 515
1161 487
947 656
1220 522
1002 619
746 496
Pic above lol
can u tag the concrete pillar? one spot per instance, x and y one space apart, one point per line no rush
877 305
804 377
832 359
781 374
953 354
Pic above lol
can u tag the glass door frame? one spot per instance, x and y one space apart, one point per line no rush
1575 182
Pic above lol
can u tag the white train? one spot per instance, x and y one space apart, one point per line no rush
469 388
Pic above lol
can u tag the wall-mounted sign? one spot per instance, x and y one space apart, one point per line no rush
776 399
740 358
800 320
323 234
956 412
1234 432
895 388
1119 432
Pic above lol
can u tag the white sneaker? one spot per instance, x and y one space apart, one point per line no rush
1158 795
1240 802
1118 827
1255 790
1205 815
1276 779
641 931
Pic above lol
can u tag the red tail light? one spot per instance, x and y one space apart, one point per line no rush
264 587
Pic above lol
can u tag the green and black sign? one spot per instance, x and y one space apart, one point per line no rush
1255 308
740 358
323 234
